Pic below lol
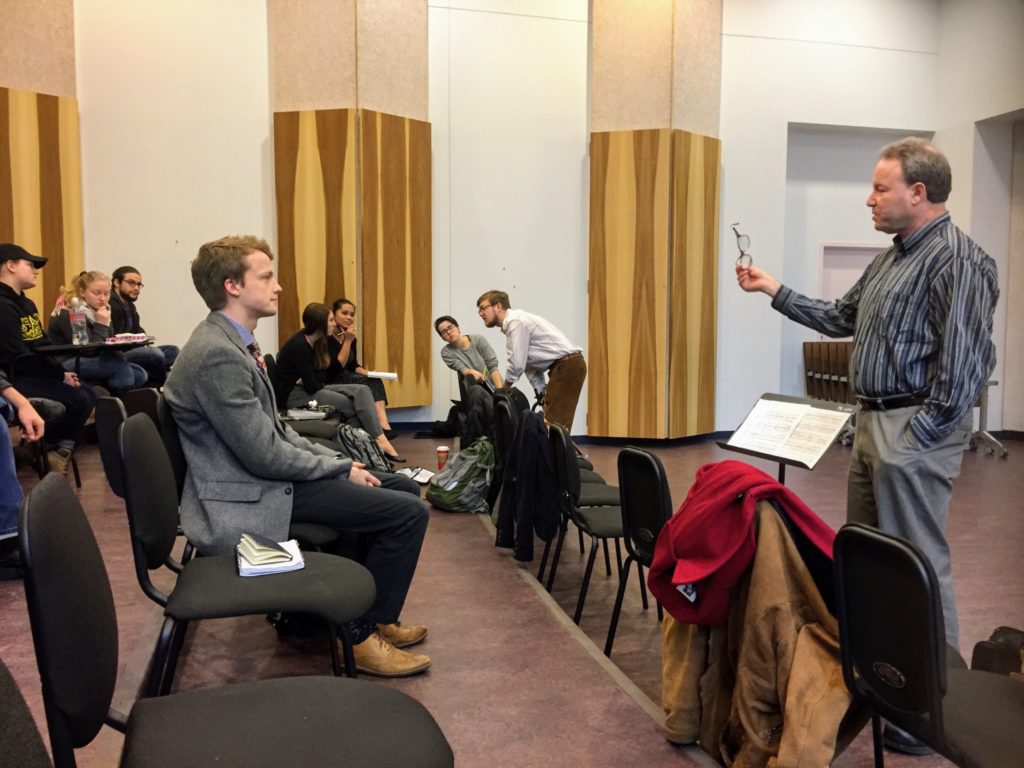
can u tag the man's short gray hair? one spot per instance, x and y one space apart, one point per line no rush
922 163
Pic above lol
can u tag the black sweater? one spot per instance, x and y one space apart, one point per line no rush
296 364
21 331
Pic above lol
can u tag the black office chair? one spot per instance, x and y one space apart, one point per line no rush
892 638
646 507
22 745
308 721
592 507
334 589
110 415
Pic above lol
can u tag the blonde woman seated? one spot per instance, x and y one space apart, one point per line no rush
345 366
301 372
472 356
109 369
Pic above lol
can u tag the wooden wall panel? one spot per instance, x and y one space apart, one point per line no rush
395 237
694 290
41 184
629 252
315 174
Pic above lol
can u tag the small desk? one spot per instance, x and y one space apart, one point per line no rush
92 349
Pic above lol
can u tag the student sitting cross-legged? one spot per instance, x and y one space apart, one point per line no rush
302 370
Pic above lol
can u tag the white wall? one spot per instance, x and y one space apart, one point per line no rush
982 93
843 63
828 178
508 106
175 130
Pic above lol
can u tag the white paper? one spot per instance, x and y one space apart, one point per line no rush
388 375
793 431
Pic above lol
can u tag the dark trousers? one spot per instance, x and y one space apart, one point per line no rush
392 518
78 403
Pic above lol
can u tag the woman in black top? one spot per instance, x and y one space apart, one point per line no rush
345 368
301 372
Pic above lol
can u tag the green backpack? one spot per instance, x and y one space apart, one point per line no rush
463 483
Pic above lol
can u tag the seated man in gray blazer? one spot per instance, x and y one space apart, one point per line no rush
249 472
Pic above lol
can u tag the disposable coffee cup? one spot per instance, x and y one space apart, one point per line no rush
442 456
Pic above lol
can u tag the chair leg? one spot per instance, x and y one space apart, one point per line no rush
623 578
74 468
607 558
544 561
661 613
159 662
618 554
174 651
580 533
586 579
554 558
876 737
346 641
643 586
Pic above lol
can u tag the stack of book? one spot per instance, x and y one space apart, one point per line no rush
258 555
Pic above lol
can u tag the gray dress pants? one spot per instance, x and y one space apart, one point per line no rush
904 489
352 401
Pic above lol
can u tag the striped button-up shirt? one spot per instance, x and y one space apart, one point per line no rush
921 319
532 344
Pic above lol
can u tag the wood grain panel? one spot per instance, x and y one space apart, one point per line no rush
395 239
629 250
317 210
353 213
40 184
694 289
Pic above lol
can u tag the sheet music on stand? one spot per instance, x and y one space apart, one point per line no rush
793 431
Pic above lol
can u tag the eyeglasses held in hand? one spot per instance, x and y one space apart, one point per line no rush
744 260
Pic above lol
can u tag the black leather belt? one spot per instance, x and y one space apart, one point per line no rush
890 403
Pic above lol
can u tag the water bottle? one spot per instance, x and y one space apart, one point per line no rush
79 330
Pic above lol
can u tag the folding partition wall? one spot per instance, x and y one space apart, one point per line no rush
353 207
653 283
41 184
352 175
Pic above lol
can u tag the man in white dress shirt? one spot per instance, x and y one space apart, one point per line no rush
533 345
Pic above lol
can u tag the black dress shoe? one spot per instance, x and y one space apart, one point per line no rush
395 458
899 740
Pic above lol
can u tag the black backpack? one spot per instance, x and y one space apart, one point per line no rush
357 444
1003 653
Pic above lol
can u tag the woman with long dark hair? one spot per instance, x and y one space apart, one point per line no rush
301 372
343 348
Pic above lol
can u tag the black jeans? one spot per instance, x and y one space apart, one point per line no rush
78 403
392 517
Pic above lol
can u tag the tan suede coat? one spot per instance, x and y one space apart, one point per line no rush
766 688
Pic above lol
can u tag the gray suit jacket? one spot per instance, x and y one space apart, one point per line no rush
242 460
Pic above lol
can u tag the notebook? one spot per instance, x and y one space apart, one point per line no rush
258 555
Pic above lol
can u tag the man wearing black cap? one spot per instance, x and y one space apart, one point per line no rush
35 374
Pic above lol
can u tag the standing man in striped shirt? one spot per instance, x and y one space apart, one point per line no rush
921 320
533 345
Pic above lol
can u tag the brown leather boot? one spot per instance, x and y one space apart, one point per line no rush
403 636
58 459
376 656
